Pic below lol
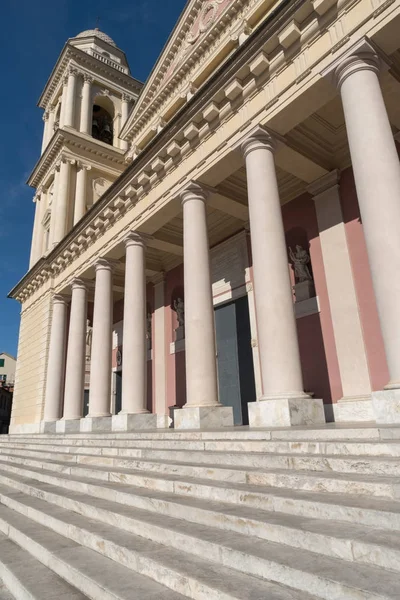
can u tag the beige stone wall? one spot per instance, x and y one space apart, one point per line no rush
30 376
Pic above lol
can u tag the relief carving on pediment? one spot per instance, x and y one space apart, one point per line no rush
209 14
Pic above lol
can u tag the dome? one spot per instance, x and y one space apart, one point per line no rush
97 33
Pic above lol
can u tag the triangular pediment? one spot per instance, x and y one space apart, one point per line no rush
201 23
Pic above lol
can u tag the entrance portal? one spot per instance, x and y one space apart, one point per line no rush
235 358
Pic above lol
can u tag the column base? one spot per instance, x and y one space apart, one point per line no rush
386 406
353 410
203 417
48 426
286 412
93 424
68 426
131 422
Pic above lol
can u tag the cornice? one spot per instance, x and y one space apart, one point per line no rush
69 53
158 87
72 140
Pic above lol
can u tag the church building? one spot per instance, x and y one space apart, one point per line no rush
219 246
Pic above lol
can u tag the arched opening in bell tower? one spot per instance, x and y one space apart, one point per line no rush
103 120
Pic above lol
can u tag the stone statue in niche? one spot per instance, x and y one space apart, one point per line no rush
300 260
89 336
179 308
148 330
304 286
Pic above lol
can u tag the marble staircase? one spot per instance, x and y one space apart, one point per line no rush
238 514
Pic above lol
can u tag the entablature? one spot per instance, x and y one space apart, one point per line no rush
90 64
76 145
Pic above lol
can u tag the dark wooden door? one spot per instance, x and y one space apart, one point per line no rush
234 358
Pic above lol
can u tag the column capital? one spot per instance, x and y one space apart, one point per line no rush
87 78
135 238
79 284
73 71
82 167
127 98
257 139
324 183
104 264
45 116
361 56
193 191
60 299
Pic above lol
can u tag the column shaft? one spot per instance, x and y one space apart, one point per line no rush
86 108
201 370
100 366
124 118
80 193
53 216
35 233
56 361
276 325
134 360
75 367
63 101
62 200
377 176
52 117
69 114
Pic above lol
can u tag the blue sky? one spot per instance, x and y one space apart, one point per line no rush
33 35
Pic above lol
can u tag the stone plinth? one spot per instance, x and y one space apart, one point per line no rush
386 406
91 424
353 410
68 426
47 427
202 417
304 290
284 412
130 422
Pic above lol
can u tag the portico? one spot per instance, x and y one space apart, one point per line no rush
247 191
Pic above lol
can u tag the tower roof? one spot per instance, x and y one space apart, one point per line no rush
96 32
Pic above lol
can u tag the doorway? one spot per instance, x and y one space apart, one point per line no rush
236 381
118 392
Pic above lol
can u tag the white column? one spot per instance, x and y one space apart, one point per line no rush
124 117
86 107
202 408
45 130
75 366
61 196
100 365
347 328
56 361
80 192
377 176
276 324
34 257
69 115
134 359
159 354
52 118
63 101
53 216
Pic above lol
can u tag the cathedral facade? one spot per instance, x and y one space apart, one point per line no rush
219 246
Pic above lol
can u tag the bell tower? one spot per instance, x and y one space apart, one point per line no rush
86 102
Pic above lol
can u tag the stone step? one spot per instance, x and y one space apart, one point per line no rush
375 512
158 565
124 447
226 553
164 475
354 543
329 431
94 575
386 466
26 578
